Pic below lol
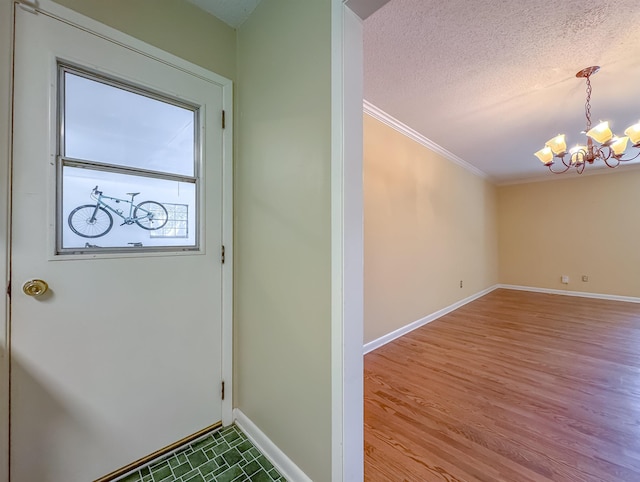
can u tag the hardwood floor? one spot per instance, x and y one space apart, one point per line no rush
515 386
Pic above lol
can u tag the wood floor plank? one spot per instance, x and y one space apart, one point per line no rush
515 386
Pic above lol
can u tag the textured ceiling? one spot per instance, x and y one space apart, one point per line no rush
231 12
491 81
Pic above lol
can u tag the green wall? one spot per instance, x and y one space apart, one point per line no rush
175 26
283 230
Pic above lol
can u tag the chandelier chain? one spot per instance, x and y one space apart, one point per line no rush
587 105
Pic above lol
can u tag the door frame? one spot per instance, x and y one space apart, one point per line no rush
6 59
7 39
347 242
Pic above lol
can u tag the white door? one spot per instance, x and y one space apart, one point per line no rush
122 355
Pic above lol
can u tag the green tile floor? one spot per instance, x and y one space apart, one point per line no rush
225 455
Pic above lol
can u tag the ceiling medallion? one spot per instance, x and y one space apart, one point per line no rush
607 147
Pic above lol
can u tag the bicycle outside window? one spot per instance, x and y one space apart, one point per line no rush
124 154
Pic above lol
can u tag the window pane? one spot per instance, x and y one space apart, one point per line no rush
121 224
108 124
177 222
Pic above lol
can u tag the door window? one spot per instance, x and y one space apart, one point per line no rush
127 158
178 222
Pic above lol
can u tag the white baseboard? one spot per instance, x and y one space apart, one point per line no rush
277 457
583 294
383 340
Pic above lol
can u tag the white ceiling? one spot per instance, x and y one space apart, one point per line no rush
231 12
491 81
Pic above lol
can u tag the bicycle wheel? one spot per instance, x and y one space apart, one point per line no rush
150 215
88 222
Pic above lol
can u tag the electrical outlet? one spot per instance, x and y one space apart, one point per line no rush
460 283
585 278
564 279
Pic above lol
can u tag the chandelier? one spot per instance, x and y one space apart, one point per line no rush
602 144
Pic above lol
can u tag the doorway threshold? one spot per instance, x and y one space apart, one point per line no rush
224 455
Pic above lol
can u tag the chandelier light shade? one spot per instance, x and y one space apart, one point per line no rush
633 133
545 155
601 133
619 146
558 145
601 143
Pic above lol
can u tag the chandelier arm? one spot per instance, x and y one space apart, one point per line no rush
567 167
629 159
606 161
606 156
565 163
581 167
581 157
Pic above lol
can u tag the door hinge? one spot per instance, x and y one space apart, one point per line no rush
223 121
223 390
9 289
222 254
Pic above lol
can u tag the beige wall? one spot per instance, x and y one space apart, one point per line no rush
429 224
586 225
175 26
282 229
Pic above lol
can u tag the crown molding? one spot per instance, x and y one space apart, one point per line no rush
548 177
404 129
370 109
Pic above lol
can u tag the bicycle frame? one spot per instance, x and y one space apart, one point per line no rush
99 198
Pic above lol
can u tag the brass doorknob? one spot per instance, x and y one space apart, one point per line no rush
35 287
